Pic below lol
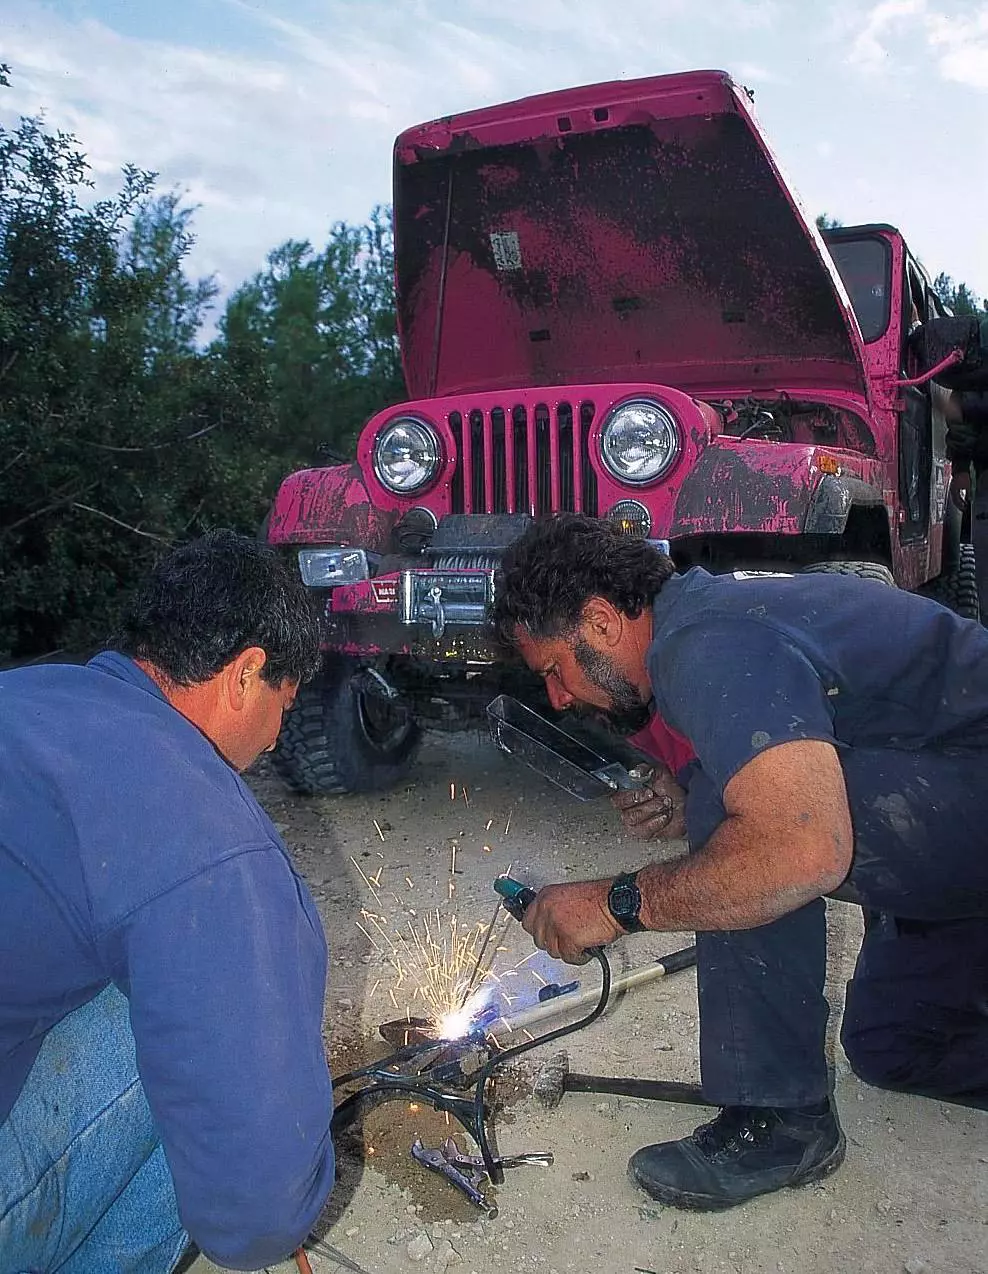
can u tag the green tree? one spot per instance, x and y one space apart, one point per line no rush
322 325
825 222
958 297
117 434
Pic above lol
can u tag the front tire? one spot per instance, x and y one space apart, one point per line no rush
340 738
876 571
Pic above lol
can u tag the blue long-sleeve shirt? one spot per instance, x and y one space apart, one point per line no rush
132 853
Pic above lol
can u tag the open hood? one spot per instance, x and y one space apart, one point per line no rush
629 231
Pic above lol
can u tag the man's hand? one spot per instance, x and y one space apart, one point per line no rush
565 920
656 812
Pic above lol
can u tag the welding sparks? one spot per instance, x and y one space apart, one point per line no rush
455 1024
445 967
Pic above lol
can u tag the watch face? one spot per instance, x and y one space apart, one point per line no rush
625 900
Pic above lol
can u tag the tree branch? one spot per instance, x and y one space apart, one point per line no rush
87 508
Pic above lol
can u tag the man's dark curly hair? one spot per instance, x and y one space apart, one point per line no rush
206 602
550 572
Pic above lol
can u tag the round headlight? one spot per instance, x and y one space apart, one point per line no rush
406 455
639 442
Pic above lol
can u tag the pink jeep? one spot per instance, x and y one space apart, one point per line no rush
610 301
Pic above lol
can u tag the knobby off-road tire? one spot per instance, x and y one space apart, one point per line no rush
339 738
958 589
863 570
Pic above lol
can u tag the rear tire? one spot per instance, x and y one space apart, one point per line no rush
958 588
876 571
340 738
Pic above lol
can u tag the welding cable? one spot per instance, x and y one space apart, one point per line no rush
491 1164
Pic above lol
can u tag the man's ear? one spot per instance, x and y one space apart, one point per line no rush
602 622
242 674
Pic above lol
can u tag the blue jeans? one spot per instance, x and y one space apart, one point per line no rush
84 1186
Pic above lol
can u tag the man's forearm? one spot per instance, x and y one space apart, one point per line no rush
729 884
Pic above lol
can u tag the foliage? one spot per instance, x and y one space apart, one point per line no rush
119 433
825 222
958 297
322 324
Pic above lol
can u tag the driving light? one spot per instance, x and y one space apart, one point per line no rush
328 568
639 441
632 518
406 455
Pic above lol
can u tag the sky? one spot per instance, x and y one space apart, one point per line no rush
277 118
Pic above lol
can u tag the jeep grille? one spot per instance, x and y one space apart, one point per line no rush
529 459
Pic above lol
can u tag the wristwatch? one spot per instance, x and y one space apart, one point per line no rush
624 902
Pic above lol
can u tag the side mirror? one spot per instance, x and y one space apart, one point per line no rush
935 340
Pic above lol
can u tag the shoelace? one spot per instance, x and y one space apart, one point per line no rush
730 1129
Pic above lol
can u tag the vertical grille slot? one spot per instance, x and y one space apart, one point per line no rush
587 413
456 487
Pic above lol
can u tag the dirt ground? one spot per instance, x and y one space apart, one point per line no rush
911 1197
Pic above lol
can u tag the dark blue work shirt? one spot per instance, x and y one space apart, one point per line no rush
132 853
739 665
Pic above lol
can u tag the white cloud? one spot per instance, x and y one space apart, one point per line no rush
961 47
868 50
899 35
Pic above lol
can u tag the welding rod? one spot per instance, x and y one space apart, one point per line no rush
671 963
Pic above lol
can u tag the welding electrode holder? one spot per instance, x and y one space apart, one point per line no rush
516 897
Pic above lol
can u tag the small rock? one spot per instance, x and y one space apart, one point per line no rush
602 1108
581 1176
915 1265
663 1046
410 1209
884 1206
353 1231
419 1247
446 1255
344 1004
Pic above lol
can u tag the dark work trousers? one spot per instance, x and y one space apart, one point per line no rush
916 1014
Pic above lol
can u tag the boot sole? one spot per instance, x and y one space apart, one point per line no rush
711 1203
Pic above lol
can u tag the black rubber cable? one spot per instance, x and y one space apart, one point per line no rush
494 1170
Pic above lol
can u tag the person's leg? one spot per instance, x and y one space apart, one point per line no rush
83 1181
763 1021
919 825
763 1013
916 1014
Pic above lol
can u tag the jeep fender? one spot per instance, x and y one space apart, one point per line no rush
761 488
329 506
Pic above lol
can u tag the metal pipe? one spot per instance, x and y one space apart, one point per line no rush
561 1004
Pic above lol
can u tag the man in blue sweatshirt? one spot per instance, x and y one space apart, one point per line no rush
162 966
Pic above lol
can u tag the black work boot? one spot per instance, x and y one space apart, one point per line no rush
744 1152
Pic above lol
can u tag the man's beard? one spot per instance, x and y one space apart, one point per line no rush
627 713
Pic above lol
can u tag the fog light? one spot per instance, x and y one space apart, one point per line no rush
631 518
414 530
328 568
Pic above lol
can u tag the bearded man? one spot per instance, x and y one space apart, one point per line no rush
830 737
